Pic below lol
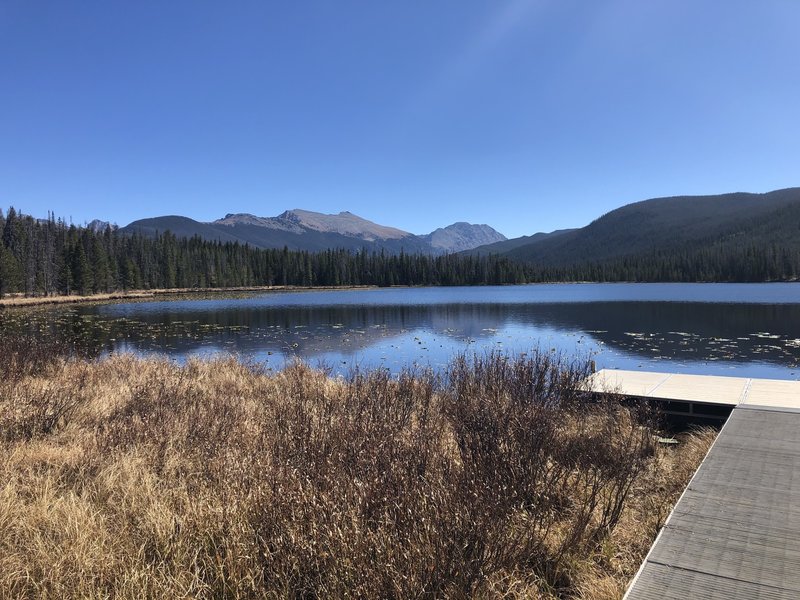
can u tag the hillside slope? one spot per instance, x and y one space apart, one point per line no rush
181 227
675 223
505 246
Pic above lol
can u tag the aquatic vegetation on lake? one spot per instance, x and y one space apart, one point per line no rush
396 328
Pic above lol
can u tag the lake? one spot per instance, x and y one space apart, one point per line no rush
749 330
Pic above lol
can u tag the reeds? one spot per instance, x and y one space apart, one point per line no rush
141 478
21 300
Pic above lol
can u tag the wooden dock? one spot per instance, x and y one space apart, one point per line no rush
735 532
708 396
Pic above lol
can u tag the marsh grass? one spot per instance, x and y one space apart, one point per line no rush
21 300
136 478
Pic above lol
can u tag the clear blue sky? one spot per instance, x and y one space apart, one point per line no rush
526 115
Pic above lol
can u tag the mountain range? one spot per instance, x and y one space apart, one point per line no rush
705 231
306 230
724 223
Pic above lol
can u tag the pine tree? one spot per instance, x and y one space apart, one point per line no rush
81 270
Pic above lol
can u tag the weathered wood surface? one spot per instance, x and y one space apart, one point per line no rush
708 389
735 533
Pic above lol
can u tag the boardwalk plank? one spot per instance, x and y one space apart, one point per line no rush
735 533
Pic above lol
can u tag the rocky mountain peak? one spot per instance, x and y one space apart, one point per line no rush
305 229
462 236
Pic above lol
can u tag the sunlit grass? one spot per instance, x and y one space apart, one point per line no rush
21 300
141 478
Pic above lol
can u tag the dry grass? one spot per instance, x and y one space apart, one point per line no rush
133 478
20 300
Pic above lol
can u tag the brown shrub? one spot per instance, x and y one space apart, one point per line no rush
131 478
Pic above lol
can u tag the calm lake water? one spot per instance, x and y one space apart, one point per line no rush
750 330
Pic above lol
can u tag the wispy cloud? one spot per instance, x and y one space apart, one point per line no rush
509 17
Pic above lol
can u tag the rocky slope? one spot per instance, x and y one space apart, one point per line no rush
307 230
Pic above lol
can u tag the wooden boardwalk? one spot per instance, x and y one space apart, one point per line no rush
735 532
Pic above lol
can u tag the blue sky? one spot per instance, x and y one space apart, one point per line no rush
527 115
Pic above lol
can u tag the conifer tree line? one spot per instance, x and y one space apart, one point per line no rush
756 261
49 257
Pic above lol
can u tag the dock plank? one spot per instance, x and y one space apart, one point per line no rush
661 582
772 392
700 389
706 389
735 533
630 383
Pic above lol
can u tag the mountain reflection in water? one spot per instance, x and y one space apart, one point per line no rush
746 339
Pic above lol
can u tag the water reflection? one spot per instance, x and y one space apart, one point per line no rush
710 337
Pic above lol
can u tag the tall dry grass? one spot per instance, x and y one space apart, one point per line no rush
21 300
133 478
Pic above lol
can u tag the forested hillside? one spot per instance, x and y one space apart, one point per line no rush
668 228
728 237
738 237
45 257
720 262
506 246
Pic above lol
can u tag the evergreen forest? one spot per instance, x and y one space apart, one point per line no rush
51 257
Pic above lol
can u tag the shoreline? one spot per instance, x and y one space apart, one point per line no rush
20 301
25 301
